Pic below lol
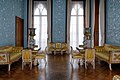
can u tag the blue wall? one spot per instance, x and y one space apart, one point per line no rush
113 22
8 10
58 20
25 23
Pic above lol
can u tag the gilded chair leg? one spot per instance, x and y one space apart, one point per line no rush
31 66
72 61
35 62
54 52
22 65
85 65
110 66
61 52
93 64
45 62
98 61
9 65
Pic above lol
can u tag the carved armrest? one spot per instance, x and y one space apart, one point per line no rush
100 49
114 56
4 57
17 49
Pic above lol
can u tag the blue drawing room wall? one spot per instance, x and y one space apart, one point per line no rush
11 8
113 22
59 20
8 10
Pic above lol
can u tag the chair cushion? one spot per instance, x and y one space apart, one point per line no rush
103 55
78 56
14 56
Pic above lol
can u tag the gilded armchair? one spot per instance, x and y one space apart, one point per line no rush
75 55
26 58
90 57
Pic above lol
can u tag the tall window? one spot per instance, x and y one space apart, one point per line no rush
40 23
77 24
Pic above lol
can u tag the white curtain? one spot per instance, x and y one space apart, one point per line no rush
101 22
68 21
87 21
30 19
93 21
87 13
49 20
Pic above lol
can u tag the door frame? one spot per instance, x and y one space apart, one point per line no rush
16 18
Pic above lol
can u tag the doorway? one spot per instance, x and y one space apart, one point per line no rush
19 31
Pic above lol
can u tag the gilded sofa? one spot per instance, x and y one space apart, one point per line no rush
58 46
108 53
10 54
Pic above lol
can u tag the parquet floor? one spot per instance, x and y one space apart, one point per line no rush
59 68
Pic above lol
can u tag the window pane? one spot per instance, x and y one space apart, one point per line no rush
36 12
41 7
81 28
44 32
80 12
44 12
37 31
80 7
73 32
73 12
36 20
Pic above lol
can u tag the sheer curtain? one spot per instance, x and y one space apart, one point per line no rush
93 21
68 20
77 24
49 19
40 23
101 22
30 19
87 13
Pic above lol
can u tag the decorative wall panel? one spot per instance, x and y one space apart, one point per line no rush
8 10
113 22
58 20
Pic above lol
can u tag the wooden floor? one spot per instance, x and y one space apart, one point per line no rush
59 68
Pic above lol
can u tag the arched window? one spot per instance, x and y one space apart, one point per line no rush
77 24
40 23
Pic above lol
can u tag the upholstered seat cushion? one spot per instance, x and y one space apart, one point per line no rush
78 56
14 56
40 56
103 55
